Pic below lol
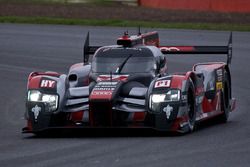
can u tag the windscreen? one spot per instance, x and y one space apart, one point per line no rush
129 60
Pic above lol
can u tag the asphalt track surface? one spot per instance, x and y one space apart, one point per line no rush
25 48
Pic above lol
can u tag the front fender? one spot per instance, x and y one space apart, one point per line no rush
169 115
49 83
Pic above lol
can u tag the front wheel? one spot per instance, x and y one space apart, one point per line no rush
191 108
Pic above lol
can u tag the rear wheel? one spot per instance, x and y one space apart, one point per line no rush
225 100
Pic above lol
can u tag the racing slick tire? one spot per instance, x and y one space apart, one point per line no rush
225 100
191 113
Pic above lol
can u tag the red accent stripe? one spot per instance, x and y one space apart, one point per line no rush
35 78
208 106
29 125
176 125
34 83
177 48
176 81
101 95
77 116
139 116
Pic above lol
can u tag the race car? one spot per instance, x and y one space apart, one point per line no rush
127 85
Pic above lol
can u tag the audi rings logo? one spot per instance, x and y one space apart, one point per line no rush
170 49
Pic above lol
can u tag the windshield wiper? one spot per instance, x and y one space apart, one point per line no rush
120 67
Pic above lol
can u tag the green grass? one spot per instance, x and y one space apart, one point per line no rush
34 1
124 23
98 2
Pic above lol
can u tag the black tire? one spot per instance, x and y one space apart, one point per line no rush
225 99
191 107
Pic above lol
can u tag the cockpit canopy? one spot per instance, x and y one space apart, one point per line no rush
134 60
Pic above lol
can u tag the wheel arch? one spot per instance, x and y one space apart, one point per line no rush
191 76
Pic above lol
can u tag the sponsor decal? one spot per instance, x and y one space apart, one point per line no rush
36 110
103 90
98 88
211 85
106 86
107 83
47 84
96 92
101 94
168 111
219 85
162 83
219 74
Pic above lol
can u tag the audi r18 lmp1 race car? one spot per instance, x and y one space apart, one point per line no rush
128 86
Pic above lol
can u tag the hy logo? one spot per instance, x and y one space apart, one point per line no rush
48 84
36 110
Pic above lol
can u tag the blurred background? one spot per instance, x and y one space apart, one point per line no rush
187 14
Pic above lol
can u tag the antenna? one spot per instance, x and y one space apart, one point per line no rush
126 33
139 30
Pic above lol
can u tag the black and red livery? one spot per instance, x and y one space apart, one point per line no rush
128 86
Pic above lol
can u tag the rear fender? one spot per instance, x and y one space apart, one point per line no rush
218 69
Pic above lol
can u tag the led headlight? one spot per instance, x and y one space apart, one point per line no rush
34 95
37 96
158 98
171 95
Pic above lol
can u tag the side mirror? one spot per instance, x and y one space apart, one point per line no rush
162 62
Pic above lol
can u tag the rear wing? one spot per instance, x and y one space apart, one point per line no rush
88 50
227 50
152 38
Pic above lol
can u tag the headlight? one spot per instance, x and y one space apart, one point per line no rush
171 95
34 95
37 96
158 98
